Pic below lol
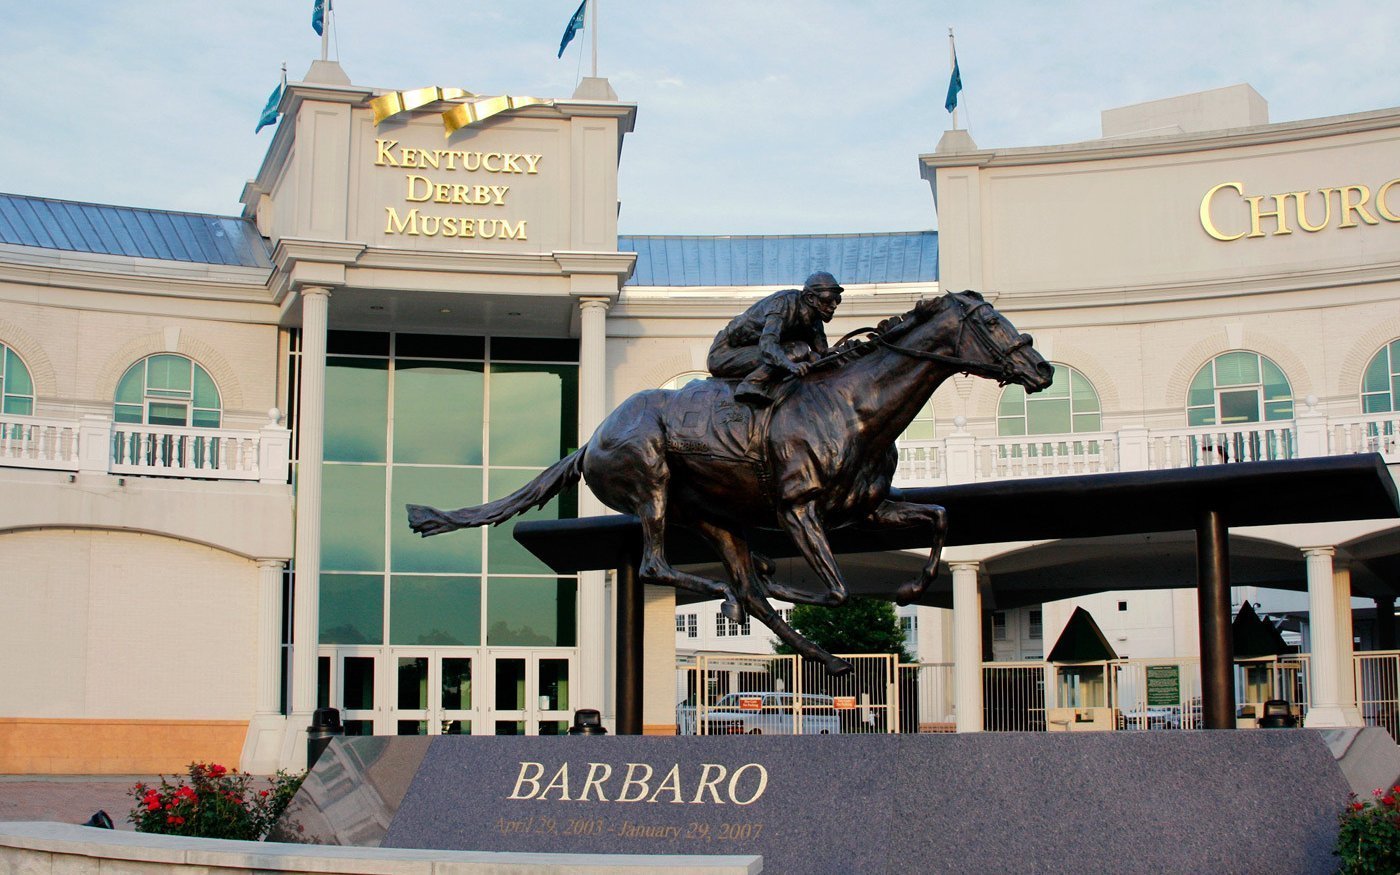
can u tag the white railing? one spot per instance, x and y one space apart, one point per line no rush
962 457
1377 674
97 445
32 442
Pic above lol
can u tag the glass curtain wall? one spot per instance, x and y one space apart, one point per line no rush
447 421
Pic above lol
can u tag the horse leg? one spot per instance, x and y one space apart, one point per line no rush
655 568
741 564
904 515
804 526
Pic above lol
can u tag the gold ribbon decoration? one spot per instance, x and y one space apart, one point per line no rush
474 111
386 106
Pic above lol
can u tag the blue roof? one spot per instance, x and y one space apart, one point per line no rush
901 257
108 230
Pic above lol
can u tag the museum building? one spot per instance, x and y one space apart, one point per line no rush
210 425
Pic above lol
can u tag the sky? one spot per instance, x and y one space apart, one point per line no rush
767 117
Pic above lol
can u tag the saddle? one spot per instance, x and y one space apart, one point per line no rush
703 419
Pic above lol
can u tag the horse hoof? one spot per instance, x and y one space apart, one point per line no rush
836 667
733 610
908 593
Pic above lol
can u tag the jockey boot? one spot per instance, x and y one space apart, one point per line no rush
753 394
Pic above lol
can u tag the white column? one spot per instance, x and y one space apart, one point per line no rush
593 603
967 647
266 730
1345 642
1326 708
311 428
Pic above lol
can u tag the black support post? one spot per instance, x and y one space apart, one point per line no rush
630 627
1213 601
1384 638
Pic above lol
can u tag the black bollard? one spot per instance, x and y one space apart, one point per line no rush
100 820
588 721
325 725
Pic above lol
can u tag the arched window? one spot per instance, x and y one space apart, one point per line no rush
1237 387
1069 406
921 429
1380 384
16 386
167 389
680 380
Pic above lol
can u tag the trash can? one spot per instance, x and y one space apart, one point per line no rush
1278 714
325 725
587 721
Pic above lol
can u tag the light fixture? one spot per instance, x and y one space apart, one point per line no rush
445 310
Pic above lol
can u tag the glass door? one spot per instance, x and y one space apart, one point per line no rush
348 680
432 692
531 692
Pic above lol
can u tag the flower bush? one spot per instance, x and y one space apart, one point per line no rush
1369 840
216 803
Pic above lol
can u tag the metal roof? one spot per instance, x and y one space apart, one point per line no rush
900 257
131 231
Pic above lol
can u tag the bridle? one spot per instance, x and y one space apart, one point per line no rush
1000 369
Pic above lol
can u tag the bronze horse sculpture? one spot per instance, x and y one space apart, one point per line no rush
821 458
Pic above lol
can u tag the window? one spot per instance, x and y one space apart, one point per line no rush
724 627
1380 384
1070 405
998 625
921 429
686 625
16 386
1122 606
680 380
908 624
1239 387
167 389
1034 618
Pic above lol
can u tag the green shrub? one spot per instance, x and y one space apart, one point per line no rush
1369 841
217 803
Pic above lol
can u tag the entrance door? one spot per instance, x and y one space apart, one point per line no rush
348 679
531 692
432 692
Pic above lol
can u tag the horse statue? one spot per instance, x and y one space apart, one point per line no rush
820 458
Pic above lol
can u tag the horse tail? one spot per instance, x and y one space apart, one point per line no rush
556 478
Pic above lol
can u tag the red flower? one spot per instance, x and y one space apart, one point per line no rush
1357 806
1388 799
217 771
262 793
151 800
175 819
184 793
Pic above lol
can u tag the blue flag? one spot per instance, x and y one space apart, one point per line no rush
954 86
318 16
575 25
269 113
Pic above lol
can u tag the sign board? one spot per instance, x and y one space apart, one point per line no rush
750 703
843 703
1163 685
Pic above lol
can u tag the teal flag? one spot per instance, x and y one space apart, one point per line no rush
575 25
318 16
269 113
954 86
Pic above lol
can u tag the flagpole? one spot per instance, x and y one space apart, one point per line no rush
326 30
593 26
952 63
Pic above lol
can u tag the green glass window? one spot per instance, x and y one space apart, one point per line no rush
1380 384
352 609
352 517
1069 405
921 429
453 553
505 554
534 413
16 386
434 611
357 409
438 412
1238 387
531 612
167 389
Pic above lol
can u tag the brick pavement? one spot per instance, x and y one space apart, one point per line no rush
67 799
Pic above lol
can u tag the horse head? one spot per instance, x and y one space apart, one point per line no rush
964 330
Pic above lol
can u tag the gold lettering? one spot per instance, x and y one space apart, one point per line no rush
1206 221
386 155
629 781
481 194
442 193
426 158
762 783
408 225
408 157
509 233
1255 214
510 166
706 782
1348 206
499 192
448 154
595 783
459 194
486 158
1381 206
532 161
559 782
449 226
532 780
413 179
672 781
468 228
1300 199
486 228
467 164
429 230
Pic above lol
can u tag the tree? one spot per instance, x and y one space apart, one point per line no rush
861 625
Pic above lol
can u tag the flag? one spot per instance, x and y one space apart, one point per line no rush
269 113
954 86
318 16
575 25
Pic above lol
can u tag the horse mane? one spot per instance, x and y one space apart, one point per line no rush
864 341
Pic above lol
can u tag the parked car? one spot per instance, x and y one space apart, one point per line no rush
774 716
